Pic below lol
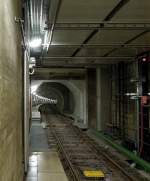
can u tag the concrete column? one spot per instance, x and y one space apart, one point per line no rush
92 99
99 125
103 97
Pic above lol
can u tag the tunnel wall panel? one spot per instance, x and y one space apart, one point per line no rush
11 157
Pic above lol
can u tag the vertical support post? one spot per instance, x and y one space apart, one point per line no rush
99 126
26 109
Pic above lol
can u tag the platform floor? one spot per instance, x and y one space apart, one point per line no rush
45 166
44 162
38 138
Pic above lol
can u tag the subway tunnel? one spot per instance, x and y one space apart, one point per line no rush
74 90
59 92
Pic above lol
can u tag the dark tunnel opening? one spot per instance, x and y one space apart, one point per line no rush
65 100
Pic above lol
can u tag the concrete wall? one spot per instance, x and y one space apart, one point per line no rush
11 157
103 97
78 88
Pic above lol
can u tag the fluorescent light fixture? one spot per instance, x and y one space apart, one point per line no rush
144 59
131 94
32 60
134 97
35 42
33 89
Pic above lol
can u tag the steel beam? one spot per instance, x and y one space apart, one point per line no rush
50 35
117 8
99 45
104 25
88 58
81 61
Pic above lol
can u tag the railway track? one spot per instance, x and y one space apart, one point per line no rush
82 159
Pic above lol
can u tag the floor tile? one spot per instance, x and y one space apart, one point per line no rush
51 177
53 166
32 172
31 179
49 162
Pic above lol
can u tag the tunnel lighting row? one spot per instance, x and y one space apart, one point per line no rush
37 100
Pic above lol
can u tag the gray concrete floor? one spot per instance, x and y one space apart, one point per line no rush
38 138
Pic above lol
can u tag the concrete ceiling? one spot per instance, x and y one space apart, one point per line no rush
69 37
111 44
134 11
83 11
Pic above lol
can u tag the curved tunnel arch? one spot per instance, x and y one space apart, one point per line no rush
56 90
78 91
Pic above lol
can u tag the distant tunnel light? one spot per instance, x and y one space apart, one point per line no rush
32 60
34 43
131 94
33 89
144 59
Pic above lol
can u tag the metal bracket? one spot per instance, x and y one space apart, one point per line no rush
21 23
19 20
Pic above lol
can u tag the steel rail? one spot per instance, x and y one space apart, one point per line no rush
111 160
73 172
68 137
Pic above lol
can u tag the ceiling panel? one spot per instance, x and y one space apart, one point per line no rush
93 11
93 51
124 52
135 10
145 39
54 51
113 36
85 10
69 37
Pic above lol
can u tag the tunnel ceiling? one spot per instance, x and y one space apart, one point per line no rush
85 33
